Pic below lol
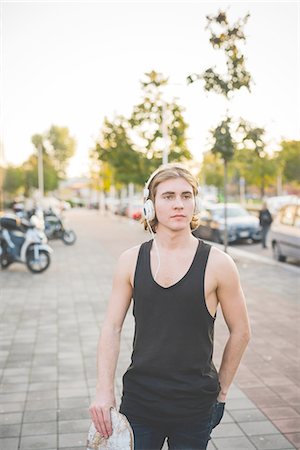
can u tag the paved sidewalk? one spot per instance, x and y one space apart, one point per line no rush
49 330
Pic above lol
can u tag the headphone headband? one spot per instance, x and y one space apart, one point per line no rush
147 184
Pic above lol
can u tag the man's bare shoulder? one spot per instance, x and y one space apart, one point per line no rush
223 271
221 261
130 255
127 262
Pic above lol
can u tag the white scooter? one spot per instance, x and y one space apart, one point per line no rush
21 241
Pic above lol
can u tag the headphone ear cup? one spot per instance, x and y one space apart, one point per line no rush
149 211
197 205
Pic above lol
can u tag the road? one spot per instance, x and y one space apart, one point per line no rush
256 248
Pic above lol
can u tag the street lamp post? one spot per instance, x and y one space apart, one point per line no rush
165 134
242 190
40 170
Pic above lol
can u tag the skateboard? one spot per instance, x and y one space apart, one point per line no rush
121 439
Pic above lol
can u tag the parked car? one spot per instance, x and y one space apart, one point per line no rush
241 224
285 233
275 203
121 209
134 211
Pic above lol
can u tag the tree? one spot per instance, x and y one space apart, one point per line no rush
62 147
153 121
224 145
212 170
13 180
30 170
256 171
133 148
289 159
2 172
58 145
227 38
262 170
115 148
38 141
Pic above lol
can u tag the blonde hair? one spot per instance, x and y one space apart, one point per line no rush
164 173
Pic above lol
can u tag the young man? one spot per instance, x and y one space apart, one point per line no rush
265 221
172 388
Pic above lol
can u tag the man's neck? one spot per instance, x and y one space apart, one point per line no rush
172 240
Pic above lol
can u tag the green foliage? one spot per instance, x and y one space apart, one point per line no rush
226 37
223 143
30 170
212 170
13 179
252 160
147 121
256 170
62 148
107 174
288 160
58 145
133 147
154 79
253 137
115 148
38 141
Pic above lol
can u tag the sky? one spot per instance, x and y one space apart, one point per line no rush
73 63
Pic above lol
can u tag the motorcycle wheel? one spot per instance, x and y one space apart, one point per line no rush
277 253
69 237
37 266
5 261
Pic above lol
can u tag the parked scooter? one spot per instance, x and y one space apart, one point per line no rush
21 241
55 228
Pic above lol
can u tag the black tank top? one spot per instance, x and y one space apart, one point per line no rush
171 376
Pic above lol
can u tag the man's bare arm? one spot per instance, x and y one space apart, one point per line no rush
233 304
109 344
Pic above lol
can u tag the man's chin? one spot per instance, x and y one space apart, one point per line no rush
175 226
178 226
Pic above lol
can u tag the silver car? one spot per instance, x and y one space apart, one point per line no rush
285 233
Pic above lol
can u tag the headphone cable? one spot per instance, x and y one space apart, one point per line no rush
156 248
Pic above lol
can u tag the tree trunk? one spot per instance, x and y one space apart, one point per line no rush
262 186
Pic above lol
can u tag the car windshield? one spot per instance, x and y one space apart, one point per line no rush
231 212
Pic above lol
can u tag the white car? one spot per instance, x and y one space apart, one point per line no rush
275 203
285 233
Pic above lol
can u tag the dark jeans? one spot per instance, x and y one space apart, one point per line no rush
264 234
187 436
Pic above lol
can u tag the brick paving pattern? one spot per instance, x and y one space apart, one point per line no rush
49 331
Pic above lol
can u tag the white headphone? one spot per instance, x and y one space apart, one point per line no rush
148 208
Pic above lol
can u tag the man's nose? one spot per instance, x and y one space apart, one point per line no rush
178 202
